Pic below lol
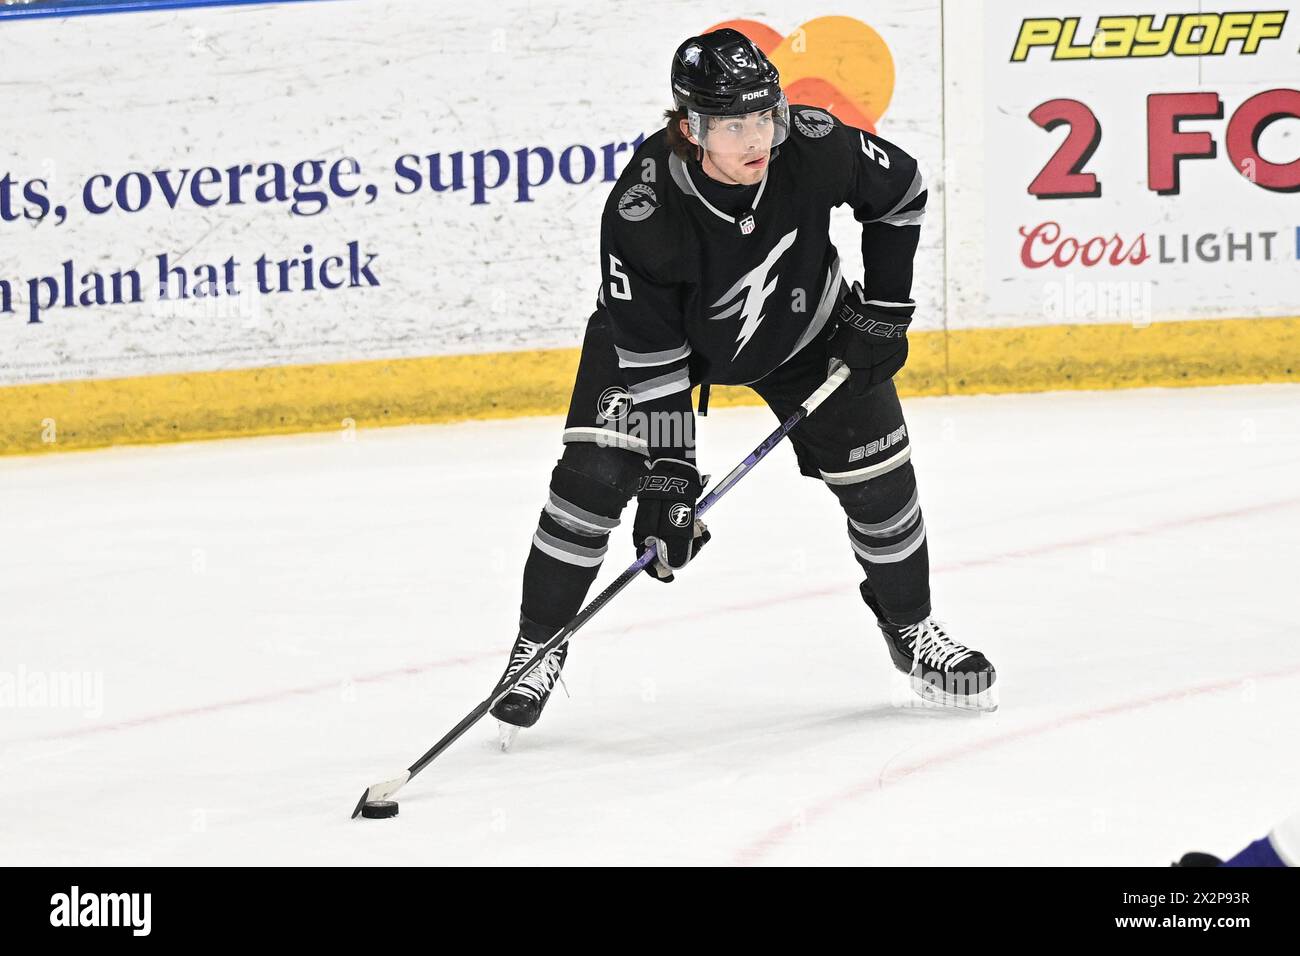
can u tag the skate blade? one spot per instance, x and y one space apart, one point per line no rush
506 734
984 702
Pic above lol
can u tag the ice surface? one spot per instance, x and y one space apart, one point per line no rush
277 623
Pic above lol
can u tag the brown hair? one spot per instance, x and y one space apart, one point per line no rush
677 142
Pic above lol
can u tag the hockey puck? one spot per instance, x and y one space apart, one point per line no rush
379 809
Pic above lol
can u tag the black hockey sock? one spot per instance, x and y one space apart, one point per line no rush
887 533
906 586
589 488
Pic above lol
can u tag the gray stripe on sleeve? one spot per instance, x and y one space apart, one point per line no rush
606 438
629 359
660 386
913 218
914 190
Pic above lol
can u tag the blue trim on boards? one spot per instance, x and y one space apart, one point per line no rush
73 8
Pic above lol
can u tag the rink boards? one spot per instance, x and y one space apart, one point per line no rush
335 234
339 397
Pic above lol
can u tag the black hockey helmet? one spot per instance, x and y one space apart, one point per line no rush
724 73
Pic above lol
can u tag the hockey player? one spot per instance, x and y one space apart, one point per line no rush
717 267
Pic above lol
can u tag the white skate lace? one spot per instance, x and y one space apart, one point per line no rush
541 679
930 644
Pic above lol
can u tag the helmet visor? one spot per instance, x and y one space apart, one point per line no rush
744 133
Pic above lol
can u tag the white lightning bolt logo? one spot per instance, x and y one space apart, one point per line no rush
750 306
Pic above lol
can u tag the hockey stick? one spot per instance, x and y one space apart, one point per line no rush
386 788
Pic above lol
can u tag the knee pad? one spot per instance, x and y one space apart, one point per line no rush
590 486
887 533
609 465
880 500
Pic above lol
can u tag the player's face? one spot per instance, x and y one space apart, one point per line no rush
737 149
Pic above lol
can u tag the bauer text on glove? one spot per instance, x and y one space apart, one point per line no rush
665 516
871 337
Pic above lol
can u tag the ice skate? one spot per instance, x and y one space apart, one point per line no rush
940 669
945 672
523 705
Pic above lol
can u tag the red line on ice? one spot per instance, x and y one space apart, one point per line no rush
254 699
414 669
777 835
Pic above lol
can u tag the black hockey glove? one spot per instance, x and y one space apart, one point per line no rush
665 514
870 338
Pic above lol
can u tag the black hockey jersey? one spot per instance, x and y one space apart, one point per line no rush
733 295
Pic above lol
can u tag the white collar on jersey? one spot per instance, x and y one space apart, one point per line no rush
682 177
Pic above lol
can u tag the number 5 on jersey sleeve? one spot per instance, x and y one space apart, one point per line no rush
874 150
619 287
